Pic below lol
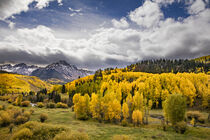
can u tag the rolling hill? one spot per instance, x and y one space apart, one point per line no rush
15 83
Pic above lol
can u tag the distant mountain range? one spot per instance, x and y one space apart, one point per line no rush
59 70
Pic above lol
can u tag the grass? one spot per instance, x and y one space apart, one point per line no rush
105 131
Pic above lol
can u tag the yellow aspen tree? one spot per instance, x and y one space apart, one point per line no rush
114 110
125 111
137 117
87 103
95 106
138 101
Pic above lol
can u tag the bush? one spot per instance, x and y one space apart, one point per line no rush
21 120
43 117
32 111
10 100
23 134
121 137
71 136
1 107
61 105
124 123
180 127
14 103
25 103
201 119
27 114
51 105
16 113
193 114
42 131
174 108
40 105
5 118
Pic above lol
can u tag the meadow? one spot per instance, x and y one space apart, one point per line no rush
106 131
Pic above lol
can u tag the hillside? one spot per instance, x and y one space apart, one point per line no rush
14 83
168 66
204 59
155 87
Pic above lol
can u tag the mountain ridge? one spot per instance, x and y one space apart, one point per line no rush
58 70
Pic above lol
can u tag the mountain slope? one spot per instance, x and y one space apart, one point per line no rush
21 68
60 70
204 59
14 83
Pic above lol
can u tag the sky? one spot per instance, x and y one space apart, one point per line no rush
95 34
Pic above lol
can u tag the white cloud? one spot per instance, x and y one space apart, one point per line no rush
120 24
11 25
113 45
196 7
75 10
167 2
72 14
147 15
11 7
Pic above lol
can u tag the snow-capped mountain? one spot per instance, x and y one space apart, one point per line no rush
60 70
21 68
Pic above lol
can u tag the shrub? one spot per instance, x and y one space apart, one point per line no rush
1 107
124 123
11 126
174 108
42 131
5 118
27 114
180 127
14 103
16 113
23 134
25 103
43 117
32 111
201 119
193 114
61 105
40 105
19 99
71 136
51 105
121 137
21 120
10 100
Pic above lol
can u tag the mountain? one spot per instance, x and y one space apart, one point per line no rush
16 83
60 70
21 68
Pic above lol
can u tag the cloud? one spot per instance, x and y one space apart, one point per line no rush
114 45
12 7
75 10
120 24
196 7
11 25
166 2
148 15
